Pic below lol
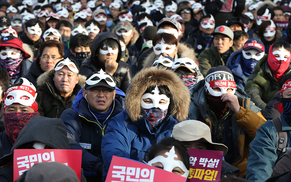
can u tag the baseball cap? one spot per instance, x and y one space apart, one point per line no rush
15 43
171 21
194 130
124 25
4 20
254 43
224 30
99 11
100 79
235 20
149 32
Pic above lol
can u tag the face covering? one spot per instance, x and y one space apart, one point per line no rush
154 115
287 109
189 81
216 105
81 55
14 122
65 38
278 67
12 66
250 60
109 23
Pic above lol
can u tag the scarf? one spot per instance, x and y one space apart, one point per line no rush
248 66
101 116
287 109
14 122
216 105
225 56
277 67
154 115
189 81
12 66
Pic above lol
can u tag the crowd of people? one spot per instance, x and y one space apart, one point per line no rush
146 80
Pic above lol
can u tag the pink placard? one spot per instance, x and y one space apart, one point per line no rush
205 165
24 159
122 169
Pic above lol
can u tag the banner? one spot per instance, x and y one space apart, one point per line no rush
122 169
24 159
205 165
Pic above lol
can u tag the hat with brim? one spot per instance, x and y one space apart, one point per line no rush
224 30
193 130
184 66
15 43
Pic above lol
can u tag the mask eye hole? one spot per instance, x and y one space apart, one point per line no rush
96 78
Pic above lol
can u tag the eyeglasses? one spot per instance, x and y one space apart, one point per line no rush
47 57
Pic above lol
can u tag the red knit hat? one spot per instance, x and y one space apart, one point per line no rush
15 43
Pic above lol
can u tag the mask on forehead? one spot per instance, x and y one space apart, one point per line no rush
93 28
172 8
126 17
67 62
100 17
222 80
156 98
108 51
10 53
166 62
169 162
266 16
210 23
171 31
270 30
162 48
35 30
283 54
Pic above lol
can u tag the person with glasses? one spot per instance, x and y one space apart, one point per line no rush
51 52
86 121
115 9
58 87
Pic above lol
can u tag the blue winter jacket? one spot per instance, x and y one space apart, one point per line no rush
234 64
128 139
263 156
85 133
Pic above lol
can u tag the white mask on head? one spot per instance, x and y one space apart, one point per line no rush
162 48
169 162
156 98
252 54
93 28
35 30
171 31
210 23
7 53
282 52
108 50
270 30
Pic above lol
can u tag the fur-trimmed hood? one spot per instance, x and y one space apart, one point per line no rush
180 100
183 51
43 78
270 3
135 35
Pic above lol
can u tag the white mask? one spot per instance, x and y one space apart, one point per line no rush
93 28
16 23
53 31
35 30
156 98
266 16
10 53
21 7
27 17
63 13
210 23
166 62
76 7
79 29
162 47
38 145
35 12
282 52
9 32
121 32
185 61
123 46
169 162
108 50
27 2
67 62
99 76
126 17
100 17
171 8
91 4
11 9
81 15
146 20
270 30
171 31
253 54
115 5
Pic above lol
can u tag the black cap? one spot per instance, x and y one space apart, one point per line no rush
149 32
4 20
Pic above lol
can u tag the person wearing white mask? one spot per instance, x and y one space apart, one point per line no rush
100 16
127 31
93 28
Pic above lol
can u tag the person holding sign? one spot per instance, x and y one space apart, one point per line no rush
197 135
231 115
156 100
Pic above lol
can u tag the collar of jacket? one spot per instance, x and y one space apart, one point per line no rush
285 125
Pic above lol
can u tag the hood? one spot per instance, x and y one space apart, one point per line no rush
179 103
43 78
49 131
133 39
183 51
95 47
235 65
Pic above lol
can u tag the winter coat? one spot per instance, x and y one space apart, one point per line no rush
234 64
197 41
31 46
50 102
129 134
238 129
122 75
5 144
273 108
34 72
183 51
51 132
133 39
211 58
86 133
263 153
69 55
262 85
